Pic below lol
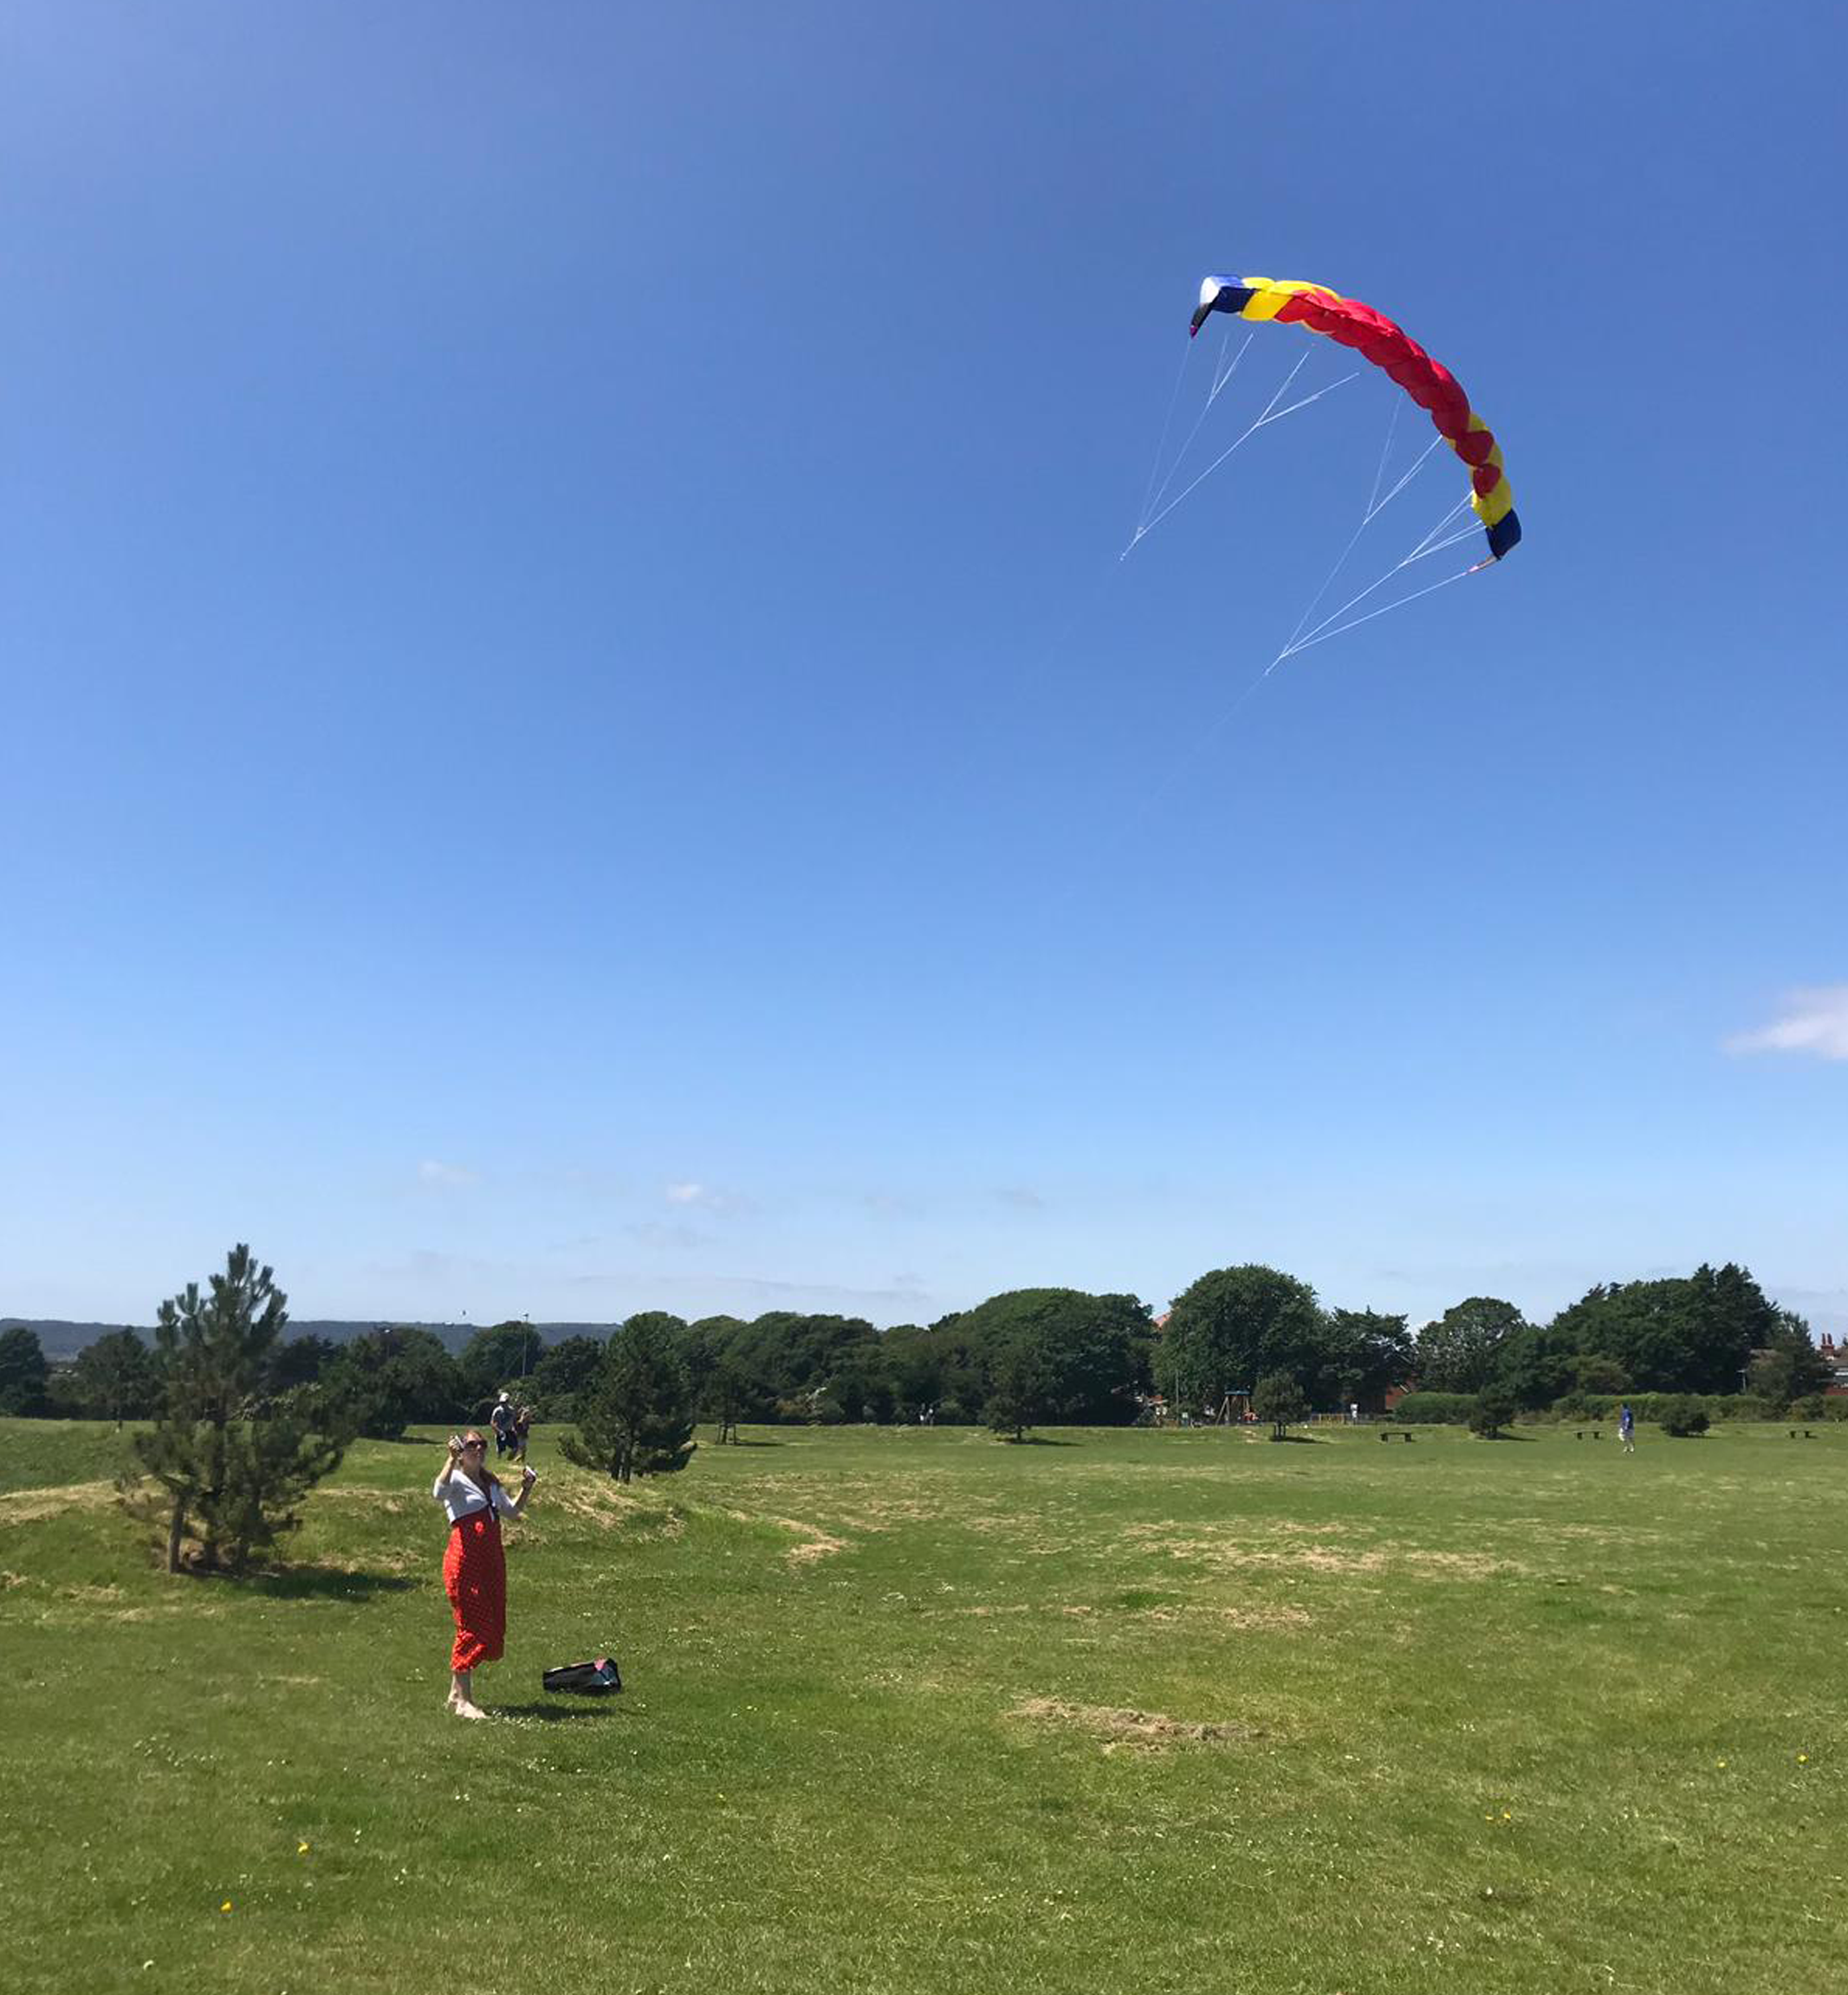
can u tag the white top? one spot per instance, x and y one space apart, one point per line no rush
461 1497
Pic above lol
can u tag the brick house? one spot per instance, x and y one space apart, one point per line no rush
1836 1357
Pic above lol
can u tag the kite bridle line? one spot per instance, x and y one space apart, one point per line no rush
1270 413
1223 372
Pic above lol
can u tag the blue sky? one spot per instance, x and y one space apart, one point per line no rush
576 738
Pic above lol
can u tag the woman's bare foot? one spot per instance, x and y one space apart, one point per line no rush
463 1710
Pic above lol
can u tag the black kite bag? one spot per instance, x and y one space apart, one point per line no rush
594 1678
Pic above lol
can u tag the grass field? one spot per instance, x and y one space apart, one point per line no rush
915 1710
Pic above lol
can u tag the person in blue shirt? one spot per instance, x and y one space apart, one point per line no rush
1626 1425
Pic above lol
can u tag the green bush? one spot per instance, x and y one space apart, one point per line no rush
1278 1398
1434 1409
1811 1406
1685 1415
1835 1406
1656 1407
1747 1406
1492 1411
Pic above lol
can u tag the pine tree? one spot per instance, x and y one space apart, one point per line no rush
230 1457
637 1417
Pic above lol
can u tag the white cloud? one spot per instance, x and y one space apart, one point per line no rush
1814 1021
707 1197
451 1175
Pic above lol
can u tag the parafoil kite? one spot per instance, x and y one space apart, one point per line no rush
1375 338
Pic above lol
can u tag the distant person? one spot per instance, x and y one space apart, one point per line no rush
1626 1425
473 1565
523 1427
501 1419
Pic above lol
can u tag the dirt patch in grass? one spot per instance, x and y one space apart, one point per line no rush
604 1503
1258 1617
1144 1731
816 1543
1268 1557
1253 1618
1465 1565
874 1518
888 1513
1316 1557
34 1506
1262 1553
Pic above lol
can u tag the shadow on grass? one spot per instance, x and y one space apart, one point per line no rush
1034 1440
1504 1436
319 1583
550 1713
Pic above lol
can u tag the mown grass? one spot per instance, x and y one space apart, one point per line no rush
915 1710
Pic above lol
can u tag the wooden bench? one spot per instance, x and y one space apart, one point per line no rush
1394 1434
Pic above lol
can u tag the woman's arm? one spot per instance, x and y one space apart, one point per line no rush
454 1455
526 1490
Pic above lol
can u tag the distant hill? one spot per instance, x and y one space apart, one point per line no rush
62 1340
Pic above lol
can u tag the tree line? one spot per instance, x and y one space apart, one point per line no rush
1025 1357
235 1423
1714 1332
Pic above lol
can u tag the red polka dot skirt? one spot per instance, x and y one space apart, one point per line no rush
475 1578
